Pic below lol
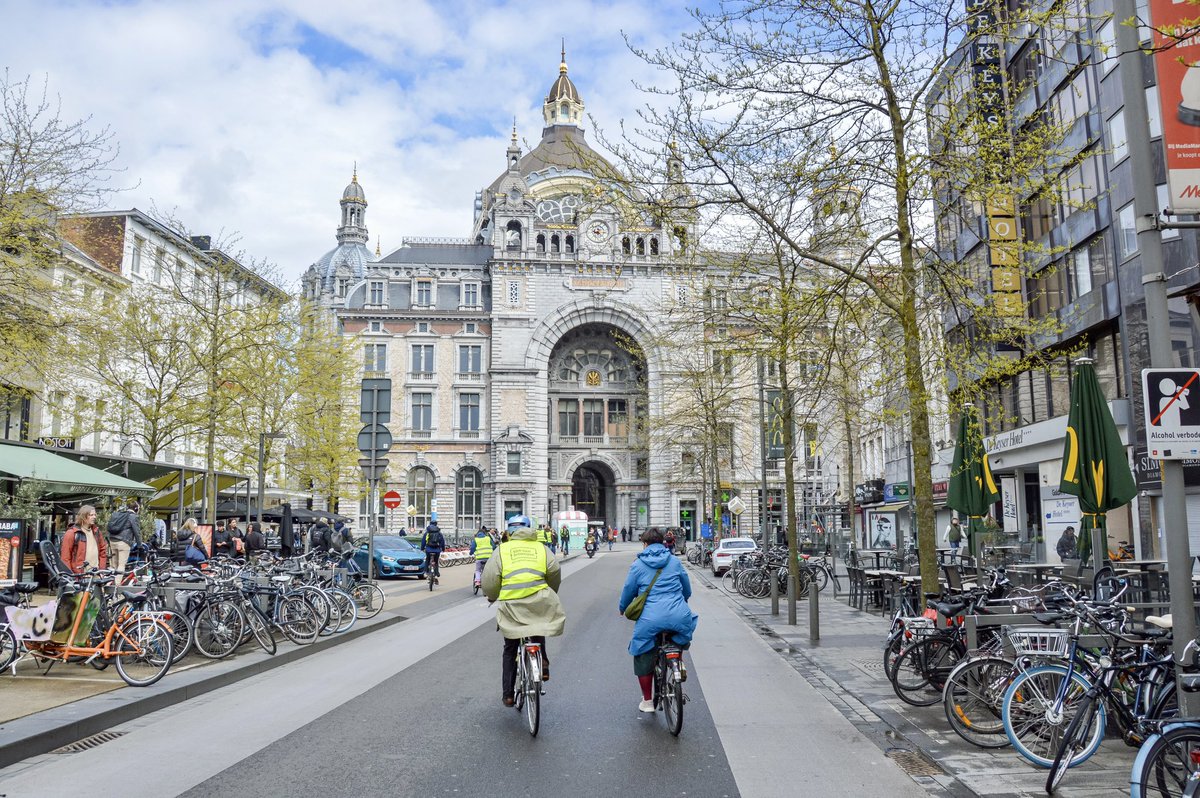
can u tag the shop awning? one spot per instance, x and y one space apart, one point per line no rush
62 476
167 497
888 508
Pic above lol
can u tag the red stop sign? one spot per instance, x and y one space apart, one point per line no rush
391 500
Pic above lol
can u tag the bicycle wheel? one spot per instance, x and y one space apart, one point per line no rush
347 609
972 697
891 654
1166 764
672 697
729 580
533 693
922 670
181 634
1033 724
1080 741
261 628
218 628
8 646
369 599
143 651
298 619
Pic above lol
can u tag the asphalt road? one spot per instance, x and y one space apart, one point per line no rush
438 727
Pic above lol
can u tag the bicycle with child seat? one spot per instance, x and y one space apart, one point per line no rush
136 640
669 675
528 693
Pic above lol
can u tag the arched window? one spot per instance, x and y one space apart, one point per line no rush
420 495
468 501
512 235
541 243
564 112
654 246
680 238
625 250
554 244
641 246
570 244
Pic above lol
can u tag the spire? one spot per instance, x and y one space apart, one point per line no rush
354 212
562 65
514 150
377 252
563 105
354 177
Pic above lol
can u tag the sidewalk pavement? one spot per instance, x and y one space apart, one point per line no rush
846 667
40 712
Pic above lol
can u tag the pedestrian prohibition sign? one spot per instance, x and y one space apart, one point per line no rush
391 500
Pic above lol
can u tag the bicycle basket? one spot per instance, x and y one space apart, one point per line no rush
1035 641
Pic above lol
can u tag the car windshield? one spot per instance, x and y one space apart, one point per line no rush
738 544
393 542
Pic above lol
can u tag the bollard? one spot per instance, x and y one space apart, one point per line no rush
774 593
814 611
791 600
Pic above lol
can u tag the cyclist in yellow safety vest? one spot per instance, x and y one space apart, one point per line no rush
524 579
548 538
481 547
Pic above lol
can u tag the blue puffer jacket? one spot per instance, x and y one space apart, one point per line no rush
666 607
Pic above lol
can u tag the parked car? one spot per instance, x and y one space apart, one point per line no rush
728 550
394 556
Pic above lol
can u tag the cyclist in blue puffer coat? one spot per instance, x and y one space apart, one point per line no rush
666 607
433 544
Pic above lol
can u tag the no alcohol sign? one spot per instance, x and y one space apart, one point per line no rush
1172 406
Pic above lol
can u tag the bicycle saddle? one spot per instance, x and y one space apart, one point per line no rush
1161 621
1048 618
950 608
135 596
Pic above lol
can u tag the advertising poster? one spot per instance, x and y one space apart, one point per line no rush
11 556
1058 514
882 531
1177 52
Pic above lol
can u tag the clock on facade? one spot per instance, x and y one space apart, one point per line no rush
597 232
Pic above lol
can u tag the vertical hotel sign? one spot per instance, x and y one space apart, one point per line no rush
1177 61
988 88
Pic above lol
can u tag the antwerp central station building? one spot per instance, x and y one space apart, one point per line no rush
522 356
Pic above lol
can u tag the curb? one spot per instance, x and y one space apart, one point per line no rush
53 728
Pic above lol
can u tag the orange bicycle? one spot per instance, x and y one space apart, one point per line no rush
138 641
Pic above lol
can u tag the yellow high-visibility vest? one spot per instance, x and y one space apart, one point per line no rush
522 569
483 547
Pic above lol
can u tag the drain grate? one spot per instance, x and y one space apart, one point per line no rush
914 763
870 664
87 743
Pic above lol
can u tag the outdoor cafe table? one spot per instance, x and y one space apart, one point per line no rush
878 554
1040 571
895 581
1150 576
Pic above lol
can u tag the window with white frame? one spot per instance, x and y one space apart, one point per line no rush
470 359
424 293
422 412
422 358
470 295
376 297
159 262
468 412
343 285
375 357
135 261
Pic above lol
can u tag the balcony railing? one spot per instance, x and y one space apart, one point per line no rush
422 433
593 440
469 376
422 376
468 434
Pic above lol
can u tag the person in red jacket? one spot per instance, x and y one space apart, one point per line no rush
82 545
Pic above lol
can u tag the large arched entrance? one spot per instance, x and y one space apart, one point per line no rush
593 491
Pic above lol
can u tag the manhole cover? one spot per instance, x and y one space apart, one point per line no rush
914 763
87 743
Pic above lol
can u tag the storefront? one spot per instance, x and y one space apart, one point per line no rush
1027 464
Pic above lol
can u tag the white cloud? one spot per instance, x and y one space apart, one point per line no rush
248 116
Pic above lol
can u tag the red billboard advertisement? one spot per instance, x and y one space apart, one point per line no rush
1177 61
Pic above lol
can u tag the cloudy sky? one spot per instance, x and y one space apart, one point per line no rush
247 116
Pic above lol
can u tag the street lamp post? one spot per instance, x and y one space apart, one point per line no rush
262 456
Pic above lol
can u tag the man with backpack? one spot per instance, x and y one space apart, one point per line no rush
124 532
320 537
433 544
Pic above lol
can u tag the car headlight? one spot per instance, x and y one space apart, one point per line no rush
389 560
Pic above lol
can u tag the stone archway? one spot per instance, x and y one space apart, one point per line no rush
593 491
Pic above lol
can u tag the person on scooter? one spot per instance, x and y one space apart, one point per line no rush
589 545
481 546
517 575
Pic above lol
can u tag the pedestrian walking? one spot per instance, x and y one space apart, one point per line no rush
954 537
124 532
237 539
612 538
564 537
624 534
